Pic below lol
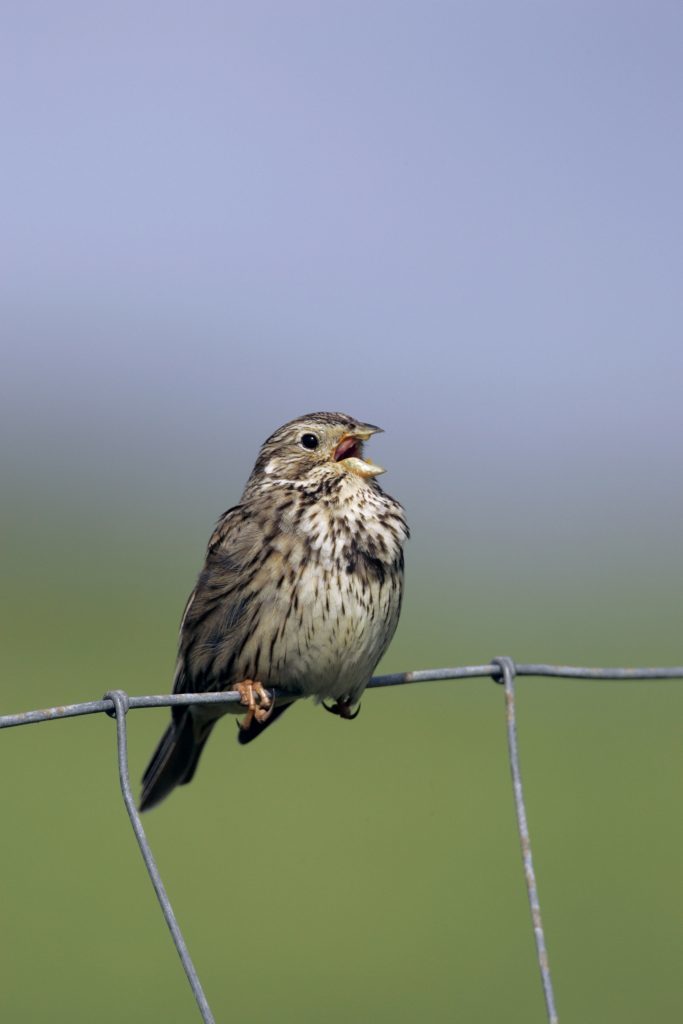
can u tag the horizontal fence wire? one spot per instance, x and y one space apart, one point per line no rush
503 670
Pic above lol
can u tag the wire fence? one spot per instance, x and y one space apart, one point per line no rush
117 704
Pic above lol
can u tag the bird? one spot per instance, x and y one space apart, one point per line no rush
300 592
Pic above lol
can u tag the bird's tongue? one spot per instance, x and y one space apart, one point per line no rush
348 448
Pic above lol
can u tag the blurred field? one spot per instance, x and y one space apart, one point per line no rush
347 872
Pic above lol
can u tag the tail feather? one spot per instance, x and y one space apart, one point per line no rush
174 762
254 729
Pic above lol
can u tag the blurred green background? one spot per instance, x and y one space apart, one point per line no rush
461 222
352 871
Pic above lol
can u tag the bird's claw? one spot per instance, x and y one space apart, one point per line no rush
257 701
343 709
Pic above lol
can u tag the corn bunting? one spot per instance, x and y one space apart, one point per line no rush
300 591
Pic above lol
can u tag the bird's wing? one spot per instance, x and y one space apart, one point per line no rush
218 619
223 607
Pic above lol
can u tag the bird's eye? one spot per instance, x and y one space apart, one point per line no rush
309 441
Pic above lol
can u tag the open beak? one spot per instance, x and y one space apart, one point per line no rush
349 451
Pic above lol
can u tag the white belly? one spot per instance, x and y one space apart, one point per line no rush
337 634
329 599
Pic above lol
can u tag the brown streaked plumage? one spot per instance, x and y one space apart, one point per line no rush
300 590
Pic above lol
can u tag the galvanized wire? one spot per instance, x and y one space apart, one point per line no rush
121 704
117 703
507 667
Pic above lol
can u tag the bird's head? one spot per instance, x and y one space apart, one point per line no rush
320 445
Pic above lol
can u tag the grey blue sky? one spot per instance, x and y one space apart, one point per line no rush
460 220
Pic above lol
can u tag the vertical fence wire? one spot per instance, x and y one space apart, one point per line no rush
120 701
507 667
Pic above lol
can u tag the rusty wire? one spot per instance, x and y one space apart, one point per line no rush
117 703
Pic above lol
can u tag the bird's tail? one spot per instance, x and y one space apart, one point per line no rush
175 760
255 728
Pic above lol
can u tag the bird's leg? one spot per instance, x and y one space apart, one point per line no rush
343 709
249 690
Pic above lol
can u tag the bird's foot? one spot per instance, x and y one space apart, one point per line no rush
256 699
343 709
